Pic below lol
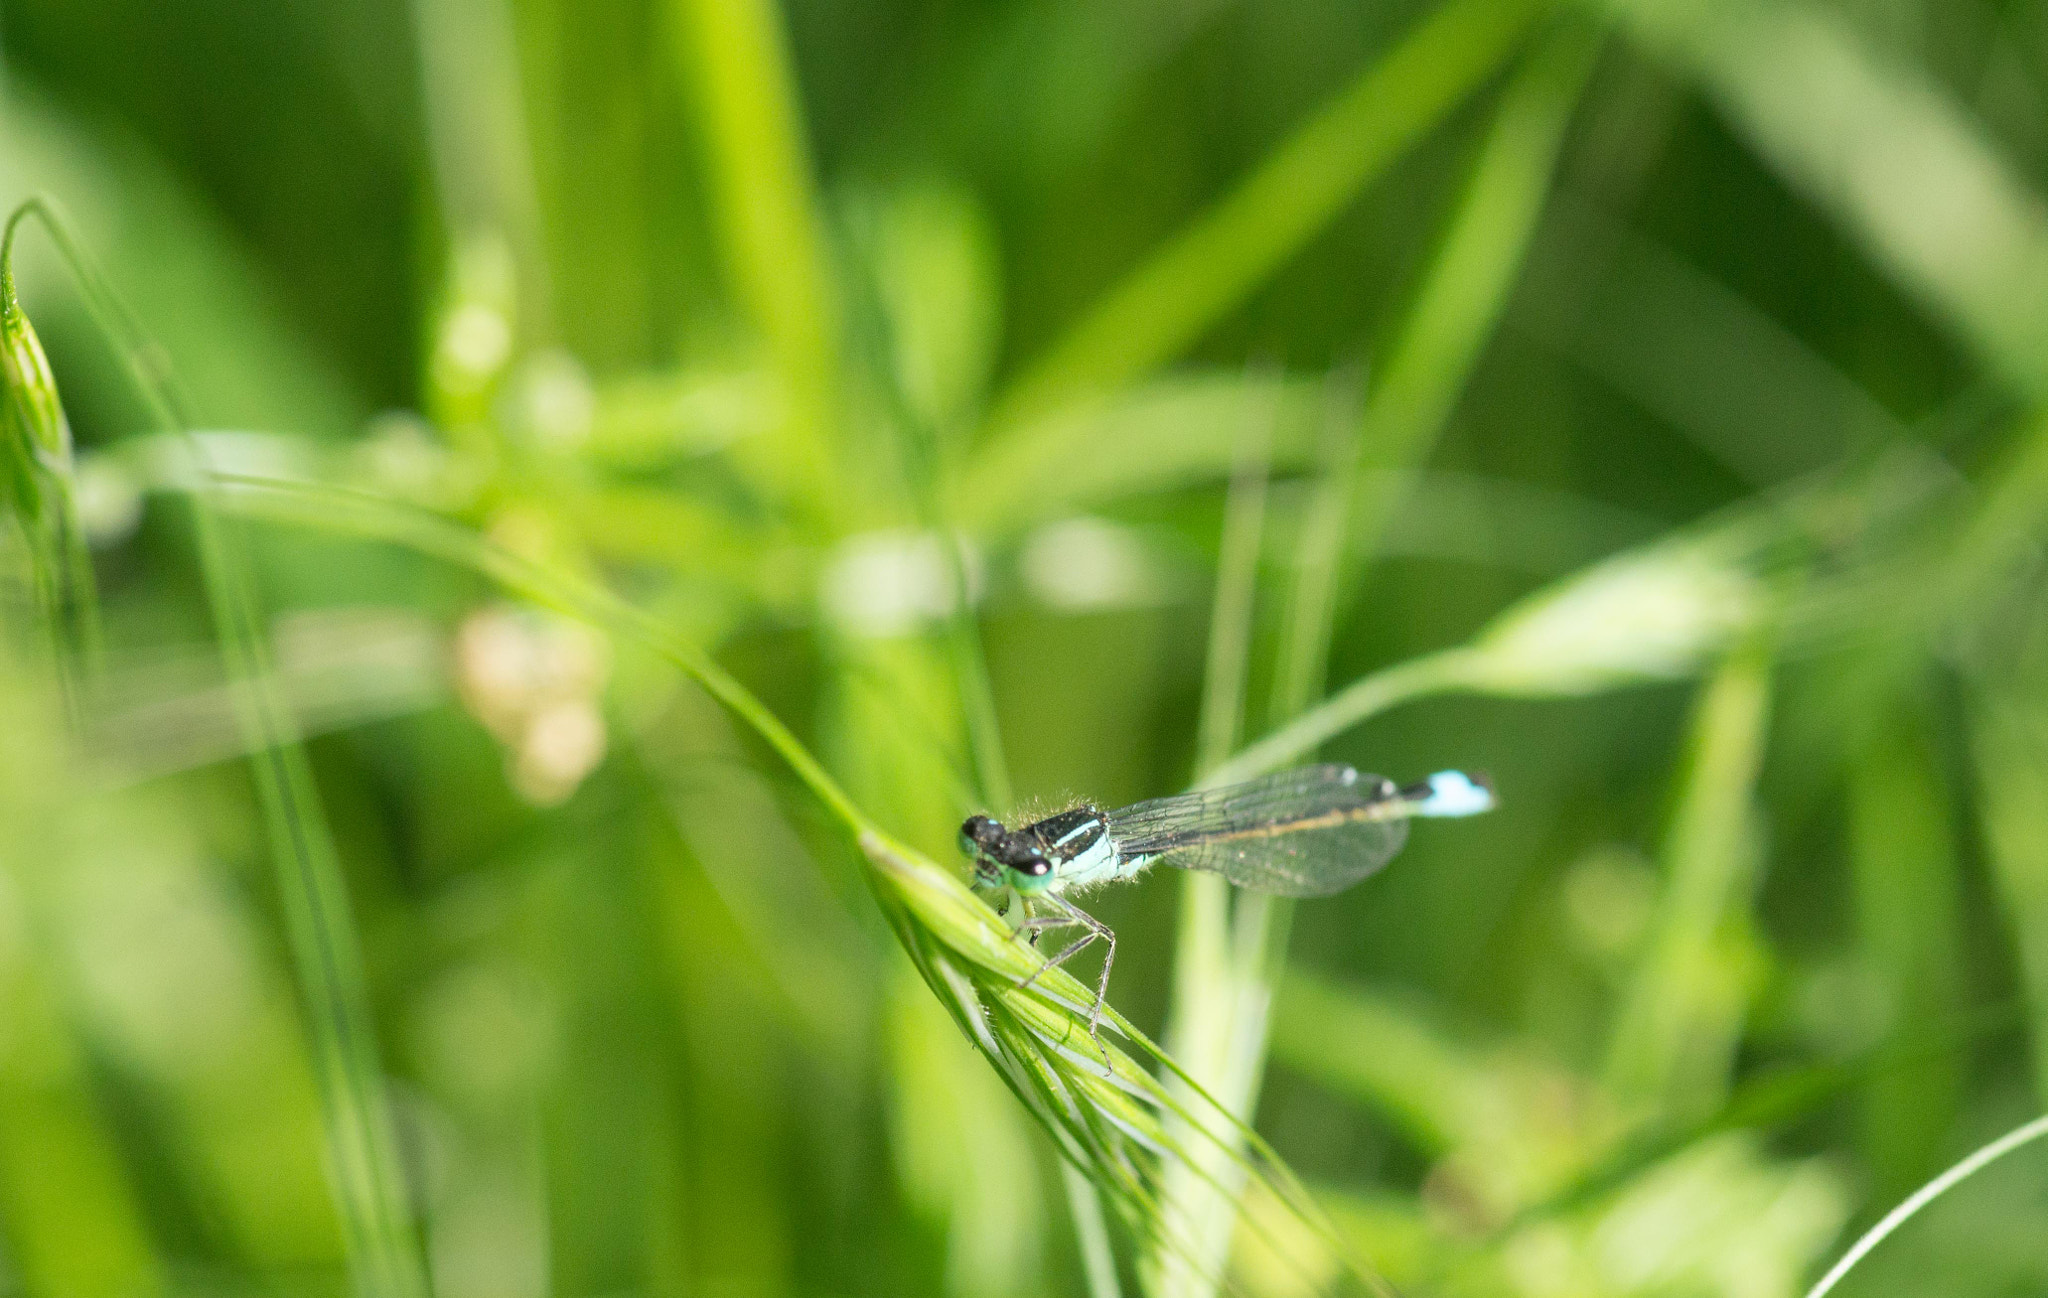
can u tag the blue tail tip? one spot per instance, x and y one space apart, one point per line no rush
1454 793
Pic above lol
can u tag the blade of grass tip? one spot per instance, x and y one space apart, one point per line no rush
1674 1033
383 1251
39 454
1199 1033
732 55
1206 270
2017 1138
1659 612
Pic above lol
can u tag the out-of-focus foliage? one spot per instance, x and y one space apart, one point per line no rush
1643 402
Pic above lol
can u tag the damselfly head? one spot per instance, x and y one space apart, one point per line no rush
999 851
980 834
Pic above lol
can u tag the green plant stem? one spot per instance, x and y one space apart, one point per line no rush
383 1252
1091 1232
1445 671
733 55
1887 151
1472 275
2011 780
369 515
1673 1035
1926 1194
1240 1000
1204 272
1198 1037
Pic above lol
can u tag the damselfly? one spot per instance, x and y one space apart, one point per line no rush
1302 833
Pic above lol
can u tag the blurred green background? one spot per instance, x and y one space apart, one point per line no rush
1717 332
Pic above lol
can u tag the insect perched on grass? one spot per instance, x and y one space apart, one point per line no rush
1302 833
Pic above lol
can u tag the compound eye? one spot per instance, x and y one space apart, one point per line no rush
982 831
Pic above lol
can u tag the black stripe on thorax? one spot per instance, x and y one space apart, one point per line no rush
1068 834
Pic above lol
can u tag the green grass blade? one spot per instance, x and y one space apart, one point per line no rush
383 1251
1879 145
1659 612
1474 272
1464 293
1926 1194
1205 271
75 1222
338 509
1201 1030
1157 436
733 57
1908 920
1091 1232
1241 997
1675 1032
2011 778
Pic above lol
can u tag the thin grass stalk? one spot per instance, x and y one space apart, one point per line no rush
1453 316
1907 906
478 143
1215 262
1671 1044
1443 672
1976 1162
1883 147
1472 274
969 662
733 56
376 1217
384 1253
81 1231
1197 1036
2011 783
1091 1232
1243 996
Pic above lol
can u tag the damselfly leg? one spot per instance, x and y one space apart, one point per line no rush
1067 915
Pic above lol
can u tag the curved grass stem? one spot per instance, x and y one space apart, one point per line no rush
1926 1194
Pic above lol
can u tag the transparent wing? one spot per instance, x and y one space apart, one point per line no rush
1301 833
